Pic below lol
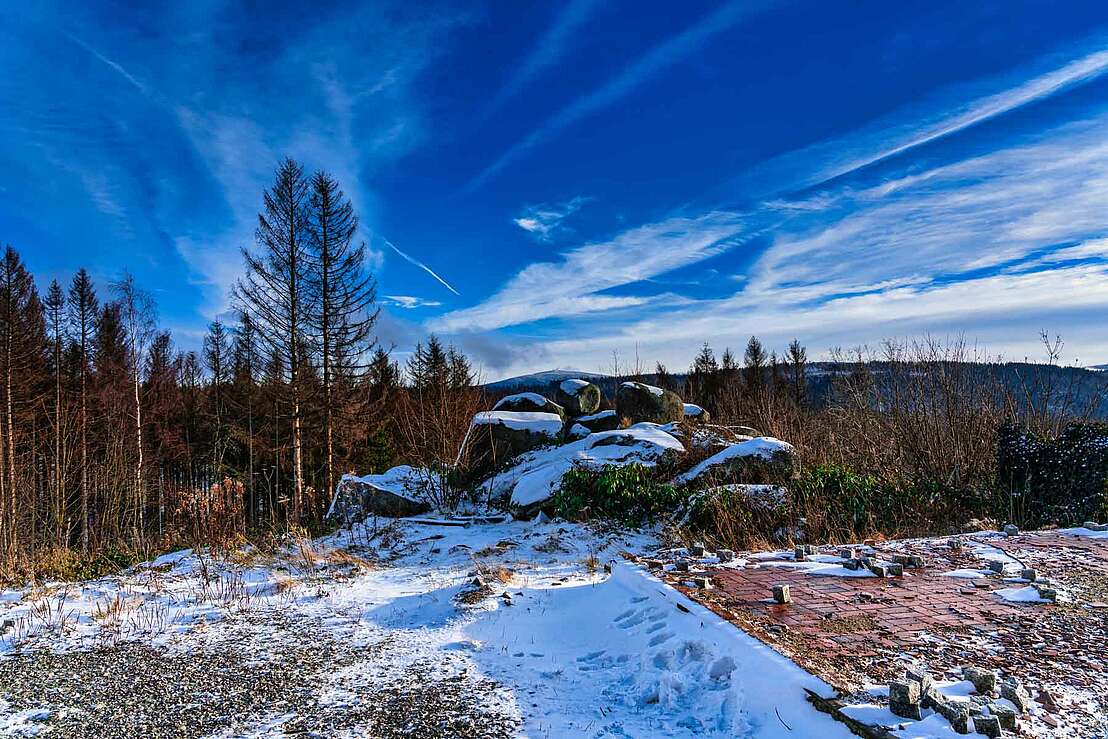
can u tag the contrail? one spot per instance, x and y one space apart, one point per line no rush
422 266
113 64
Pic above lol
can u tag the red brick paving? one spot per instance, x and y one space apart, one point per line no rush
853 631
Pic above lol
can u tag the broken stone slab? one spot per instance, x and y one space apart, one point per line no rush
1005 714
904 700
781 594
988 725
1014 692
911 561
1029 574
703 583
984 681
1011 529
725 555
878 569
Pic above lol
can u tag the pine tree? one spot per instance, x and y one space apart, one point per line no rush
83 309
277 294
754 361
55 316
216 357
797 360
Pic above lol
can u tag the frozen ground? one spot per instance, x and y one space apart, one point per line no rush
513 629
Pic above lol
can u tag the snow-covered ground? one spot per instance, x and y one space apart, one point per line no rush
562 638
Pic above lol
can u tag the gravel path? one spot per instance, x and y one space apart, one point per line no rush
303 682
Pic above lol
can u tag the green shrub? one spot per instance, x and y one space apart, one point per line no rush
629 494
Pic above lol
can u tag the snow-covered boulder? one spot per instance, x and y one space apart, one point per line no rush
600 421
529 403
496 437
529 484
577 431
579 397
695 413
761 460
637 401
402 491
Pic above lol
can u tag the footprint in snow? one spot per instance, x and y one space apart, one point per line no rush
660 638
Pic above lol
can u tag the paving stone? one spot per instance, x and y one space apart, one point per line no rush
781 594
877 569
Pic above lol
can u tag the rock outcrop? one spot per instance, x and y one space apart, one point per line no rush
496 437
578 397
529 403
402 491
637 402
601 421
762 460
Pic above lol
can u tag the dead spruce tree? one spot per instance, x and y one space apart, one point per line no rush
346 295
277 293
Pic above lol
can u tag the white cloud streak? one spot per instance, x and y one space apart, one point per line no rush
570 287
658 59
549 50
543 221
410 301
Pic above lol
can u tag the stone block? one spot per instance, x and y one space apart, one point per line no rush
800 554
1029 574
895 569
987 725
848 553
879 570
984 681
681 565
920 676
697 549
853 564
725 555
1011 529
904 700
781 594
996 566
1045 592
704 583
1013 691
957 714
1005 714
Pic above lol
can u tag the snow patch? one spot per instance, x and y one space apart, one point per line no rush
573 386
764 447
546 424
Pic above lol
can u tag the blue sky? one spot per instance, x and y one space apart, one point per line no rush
549 183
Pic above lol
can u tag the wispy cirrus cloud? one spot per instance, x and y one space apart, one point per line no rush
415 262
572 286
547 52
410 301
543 221
660 58
940 115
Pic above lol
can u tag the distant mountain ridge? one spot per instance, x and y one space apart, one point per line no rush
537 380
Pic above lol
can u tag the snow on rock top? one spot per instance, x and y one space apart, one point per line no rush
406 481
538 474
573 386
693 410
547 424
765 447
642 385
596 416
511 399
